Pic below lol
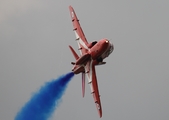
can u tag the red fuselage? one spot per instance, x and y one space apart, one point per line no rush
101 49
97 53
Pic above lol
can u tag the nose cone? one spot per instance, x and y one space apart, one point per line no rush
107 41
110 47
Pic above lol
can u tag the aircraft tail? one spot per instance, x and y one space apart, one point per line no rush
83 84
83 74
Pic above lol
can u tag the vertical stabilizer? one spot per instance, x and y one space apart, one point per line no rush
83 84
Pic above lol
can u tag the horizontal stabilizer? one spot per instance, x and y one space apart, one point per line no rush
74 53
101 63
73 63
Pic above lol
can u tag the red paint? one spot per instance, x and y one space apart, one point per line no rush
92 54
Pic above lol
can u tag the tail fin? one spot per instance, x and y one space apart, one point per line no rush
83 84
74 53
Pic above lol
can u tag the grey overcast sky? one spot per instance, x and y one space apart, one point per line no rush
34 39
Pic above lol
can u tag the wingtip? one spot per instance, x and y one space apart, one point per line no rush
83 94
99 108
100 114
70 7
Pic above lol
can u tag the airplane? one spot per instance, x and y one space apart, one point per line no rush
91 54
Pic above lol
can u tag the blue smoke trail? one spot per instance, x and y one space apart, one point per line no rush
43 103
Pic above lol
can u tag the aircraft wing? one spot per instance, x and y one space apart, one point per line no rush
80 37
91 75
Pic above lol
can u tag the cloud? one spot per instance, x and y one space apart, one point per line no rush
10 8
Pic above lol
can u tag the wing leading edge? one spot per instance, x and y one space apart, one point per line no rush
80 37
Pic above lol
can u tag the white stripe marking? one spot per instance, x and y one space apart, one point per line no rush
89 75
81 41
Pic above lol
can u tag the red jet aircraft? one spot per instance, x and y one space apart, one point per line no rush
91 54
